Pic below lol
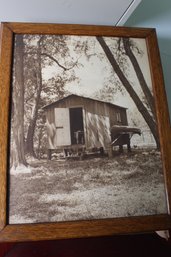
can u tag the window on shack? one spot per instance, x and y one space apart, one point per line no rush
118 117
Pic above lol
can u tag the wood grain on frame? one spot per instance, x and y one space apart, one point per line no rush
162 111
80 228
5 76
72 29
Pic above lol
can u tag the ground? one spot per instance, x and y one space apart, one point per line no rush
59 190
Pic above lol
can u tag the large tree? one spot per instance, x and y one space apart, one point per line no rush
43 52
150 120
33 53
18 154
128 45
29 144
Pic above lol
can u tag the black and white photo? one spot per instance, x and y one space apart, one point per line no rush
84 142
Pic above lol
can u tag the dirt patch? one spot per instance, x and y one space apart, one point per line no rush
129 184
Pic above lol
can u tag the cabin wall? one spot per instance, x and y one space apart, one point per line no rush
98 132
97 124
98 117
95 118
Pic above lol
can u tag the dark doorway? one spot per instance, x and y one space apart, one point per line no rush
76 125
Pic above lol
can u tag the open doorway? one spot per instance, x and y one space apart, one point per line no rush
76 126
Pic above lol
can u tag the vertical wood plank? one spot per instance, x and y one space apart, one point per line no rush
6 38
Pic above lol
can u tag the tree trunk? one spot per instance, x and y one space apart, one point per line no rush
29 145
140 106
140 76
32 125
17 149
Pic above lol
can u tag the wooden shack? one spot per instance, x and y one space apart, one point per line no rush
77 121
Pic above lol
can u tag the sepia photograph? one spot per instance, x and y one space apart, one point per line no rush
84 140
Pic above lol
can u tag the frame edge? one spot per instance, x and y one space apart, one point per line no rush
6 38
76 29
48 231
162 111
82 229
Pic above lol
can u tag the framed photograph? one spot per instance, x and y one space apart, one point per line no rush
84 132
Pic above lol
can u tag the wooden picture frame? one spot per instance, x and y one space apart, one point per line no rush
88 227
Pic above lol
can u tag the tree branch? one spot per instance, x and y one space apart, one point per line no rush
53 59
139 74
56 61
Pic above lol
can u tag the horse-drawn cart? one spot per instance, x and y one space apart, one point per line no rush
121 135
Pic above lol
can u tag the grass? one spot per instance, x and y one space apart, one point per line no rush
126 185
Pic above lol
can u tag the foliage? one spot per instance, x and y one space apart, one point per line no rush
39 89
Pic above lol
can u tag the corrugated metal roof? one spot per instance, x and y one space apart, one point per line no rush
88 98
